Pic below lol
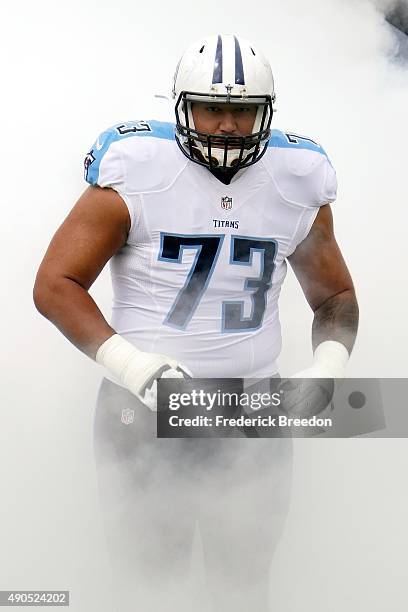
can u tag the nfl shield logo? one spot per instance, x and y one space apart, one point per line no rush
226 203
128 416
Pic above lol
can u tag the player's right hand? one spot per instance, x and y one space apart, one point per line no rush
149 397
137 370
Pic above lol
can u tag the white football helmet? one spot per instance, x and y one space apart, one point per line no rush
223 69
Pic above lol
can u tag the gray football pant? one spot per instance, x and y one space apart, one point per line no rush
154 491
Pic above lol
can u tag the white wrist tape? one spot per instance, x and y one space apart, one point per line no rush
329 361
133 368
332 357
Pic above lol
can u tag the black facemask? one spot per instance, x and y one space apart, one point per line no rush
251 148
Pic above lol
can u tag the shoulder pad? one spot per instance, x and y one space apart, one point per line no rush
104 162
301 170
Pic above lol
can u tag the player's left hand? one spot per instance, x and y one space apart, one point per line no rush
306 393
310 391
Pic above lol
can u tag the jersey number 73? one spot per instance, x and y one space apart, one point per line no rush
207 249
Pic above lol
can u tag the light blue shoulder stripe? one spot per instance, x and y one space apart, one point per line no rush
121 131
287 140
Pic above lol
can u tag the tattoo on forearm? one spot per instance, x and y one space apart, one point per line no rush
336 319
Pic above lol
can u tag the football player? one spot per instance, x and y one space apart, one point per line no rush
198 221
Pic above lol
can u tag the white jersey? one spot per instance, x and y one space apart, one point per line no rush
200 274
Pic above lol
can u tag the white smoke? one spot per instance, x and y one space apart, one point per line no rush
388 5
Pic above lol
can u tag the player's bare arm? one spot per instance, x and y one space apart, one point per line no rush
326 283
94 230
328 287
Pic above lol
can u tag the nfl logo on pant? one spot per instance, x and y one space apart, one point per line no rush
226 203
128 416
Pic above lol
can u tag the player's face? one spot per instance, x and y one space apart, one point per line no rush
224 119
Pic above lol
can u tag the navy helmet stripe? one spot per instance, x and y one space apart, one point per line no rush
217 74
239 68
